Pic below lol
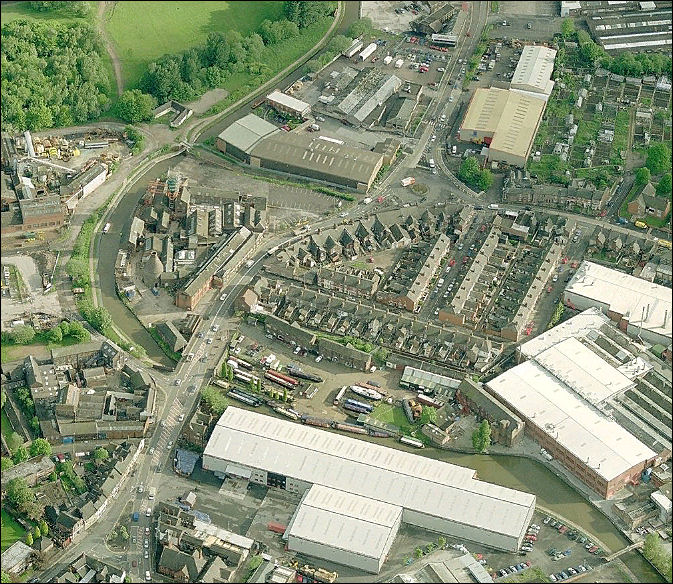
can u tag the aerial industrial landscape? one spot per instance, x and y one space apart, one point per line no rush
336 291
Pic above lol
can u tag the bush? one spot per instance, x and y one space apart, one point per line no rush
135 106
40 447
23 334
658 158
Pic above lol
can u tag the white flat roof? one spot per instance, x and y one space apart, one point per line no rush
577 326
554 408
534 69
626 295
385 474
288 101
345 521
583 370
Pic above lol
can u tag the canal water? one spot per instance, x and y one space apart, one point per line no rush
554 494
107 255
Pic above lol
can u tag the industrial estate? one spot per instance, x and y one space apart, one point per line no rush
380 292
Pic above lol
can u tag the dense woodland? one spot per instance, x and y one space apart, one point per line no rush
52 75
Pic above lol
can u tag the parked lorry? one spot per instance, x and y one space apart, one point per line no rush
410 180
493 206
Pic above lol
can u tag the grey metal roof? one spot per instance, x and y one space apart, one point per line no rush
247 132
417 483
345 521
305 152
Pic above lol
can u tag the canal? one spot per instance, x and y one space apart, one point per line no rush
120 220
554 494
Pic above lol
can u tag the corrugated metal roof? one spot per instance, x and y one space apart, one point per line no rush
345 521
393 476
246 133
312 154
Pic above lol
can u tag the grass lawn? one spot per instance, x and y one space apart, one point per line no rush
390 414
11 352
11 530
144 31
17 10
6 424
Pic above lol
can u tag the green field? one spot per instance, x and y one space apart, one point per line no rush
11 530
144 31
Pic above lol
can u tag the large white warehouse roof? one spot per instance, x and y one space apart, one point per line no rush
534 69
583 370
554 408
642 303
288 101
416 483
345 521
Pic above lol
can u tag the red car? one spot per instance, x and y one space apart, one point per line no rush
483 228
285 127
452 262
531 537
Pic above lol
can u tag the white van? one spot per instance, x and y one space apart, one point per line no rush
431 162
148 577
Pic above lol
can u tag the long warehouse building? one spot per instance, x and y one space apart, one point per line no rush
506 121
640 308
430 494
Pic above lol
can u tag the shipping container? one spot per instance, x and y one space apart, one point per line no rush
412 442
368 52
339 395
276 527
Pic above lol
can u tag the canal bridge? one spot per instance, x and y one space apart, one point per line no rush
633 546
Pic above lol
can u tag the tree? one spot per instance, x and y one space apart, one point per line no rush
658 158
40 447
55 335
339 44
664 186
6 463
101 454
651 547
100 319
481 437
429 415
4 577
23 334
18 493
29 538
441 541
20 455
313 65
306 13
135 106
642 176
418 552
77 331
567 28
65 328
35 424
37 533
362 27
14 441
123 533
44 528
